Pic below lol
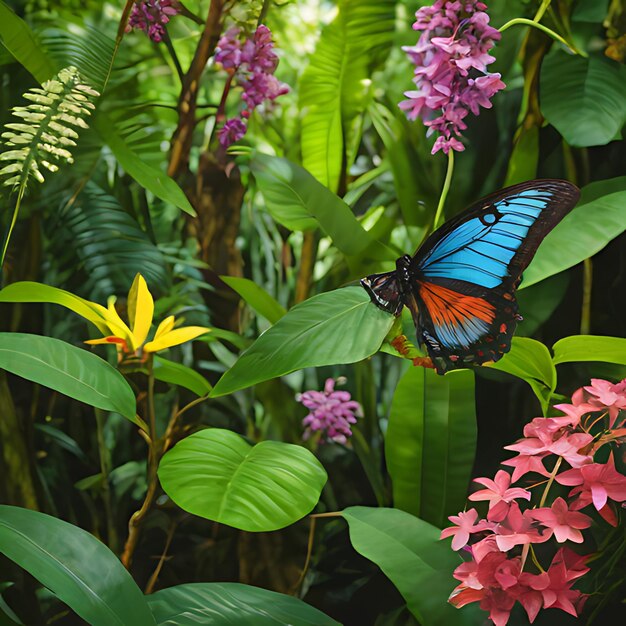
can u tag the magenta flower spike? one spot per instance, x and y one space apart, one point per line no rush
151 16
251 62
331 412
451 59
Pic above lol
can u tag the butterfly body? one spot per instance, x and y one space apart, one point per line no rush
460 285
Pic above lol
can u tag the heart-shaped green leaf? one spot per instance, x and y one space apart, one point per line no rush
217 474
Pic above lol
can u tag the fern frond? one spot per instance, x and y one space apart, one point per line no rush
46 130
48 127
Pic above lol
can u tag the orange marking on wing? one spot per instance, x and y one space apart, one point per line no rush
450 307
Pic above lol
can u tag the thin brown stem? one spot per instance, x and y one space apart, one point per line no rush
157 570
134 525
136 520
169 431
309 552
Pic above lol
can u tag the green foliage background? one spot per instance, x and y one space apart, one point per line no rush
332 184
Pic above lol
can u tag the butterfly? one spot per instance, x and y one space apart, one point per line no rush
460 284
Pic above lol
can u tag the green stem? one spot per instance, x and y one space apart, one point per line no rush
541 27
585 316
541 10
544 496
16 211
555 471
444 191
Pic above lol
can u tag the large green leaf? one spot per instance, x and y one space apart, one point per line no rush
149 177
27 291
261 301
579 348
581 234
334 86
216 474
531 361
431 442
230 604
21 42
583 98
298 201
408 551
177 374
75 566
340 326
69 370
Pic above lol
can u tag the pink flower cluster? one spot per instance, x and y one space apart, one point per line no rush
251 63
497 574
151 16
331 412
451 58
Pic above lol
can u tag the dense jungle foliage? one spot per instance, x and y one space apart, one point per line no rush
204 419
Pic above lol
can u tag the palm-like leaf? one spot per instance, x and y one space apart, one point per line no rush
96 234
335 86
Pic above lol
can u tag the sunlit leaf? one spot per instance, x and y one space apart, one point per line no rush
216 474
531 361
334 86
579 348
340 326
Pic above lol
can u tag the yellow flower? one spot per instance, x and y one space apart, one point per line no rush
140 313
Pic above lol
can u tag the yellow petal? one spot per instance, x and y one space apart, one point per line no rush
140 309
175 337
117 325
109 340
164 327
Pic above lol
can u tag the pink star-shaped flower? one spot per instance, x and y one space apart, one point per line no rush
465 525
555 584
596 482
498 494
555 442
603 394
558 519
518 529
525 463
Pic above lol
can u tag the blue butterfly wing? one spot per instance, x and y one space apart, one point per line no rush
491 243
466 273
